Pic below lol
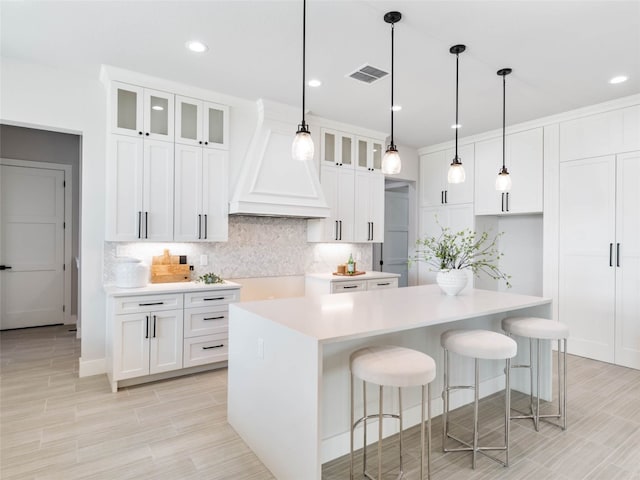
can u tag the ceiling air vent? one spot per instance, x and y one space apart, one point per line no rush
368 74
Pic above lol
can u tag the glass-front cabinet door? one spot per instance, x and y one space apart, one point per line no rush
338 148
140 112
126 105
369 154
201 123
158 115
377 156
215 128
188 121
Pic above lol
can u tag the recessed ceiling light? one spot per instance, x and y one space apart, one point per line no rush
157 107
196 46
456 125
314 83
396 108
618 79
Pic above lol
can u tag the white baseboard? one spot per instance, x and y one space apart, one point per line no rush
338 445
88 368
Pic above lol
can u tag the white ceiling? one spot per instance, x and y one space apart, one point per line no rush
562 53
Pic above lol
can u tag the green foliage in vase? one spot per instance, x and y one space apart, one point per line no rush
209 278
461 250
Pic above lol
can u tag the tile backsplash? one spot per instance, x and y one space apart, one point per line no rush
257 247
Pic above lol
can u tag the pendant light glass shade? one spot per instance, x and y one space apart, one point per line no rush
302 146
391 163
503 182
456 170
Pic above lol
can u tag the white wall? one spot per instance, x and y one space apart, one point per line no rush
39 96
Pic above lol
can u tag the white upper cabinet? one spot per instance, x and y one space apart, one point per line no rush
337 148
369 154
524 160
369 207
338 185
434 187
201 197
201 123
142 112
605 133
139 190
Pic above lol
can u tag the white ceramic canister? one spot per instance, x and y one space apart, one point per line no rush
131 272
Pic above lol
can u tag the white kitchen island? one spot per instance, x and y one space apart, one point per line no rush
289 364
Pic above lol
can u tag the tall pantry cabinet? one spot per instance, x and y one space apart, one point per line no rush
599 238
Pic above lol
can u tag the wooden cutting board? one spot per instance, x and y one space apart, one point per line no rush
167 268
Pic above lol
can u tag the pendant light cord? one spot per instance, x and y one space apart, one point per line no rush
504 117
392 50
456 127
304 50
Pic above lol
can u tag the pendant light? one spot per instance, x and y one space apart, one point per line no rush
503 182
302 147
391 163
456 170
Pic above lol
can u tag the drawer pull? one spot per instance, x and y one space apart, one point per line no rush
383 284
148 304
350 286
214 318
211 299
213 346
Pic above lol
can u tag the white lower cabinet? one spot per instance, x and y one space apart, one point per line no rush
160 333
322 283
599 267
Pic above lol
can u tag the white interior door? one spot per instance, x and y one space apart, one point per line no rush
587 255
31 246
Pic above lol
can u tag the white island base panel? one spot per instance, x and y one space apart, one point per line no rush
288 387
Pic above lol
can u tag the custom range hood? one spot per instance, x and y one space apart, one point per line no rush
271 183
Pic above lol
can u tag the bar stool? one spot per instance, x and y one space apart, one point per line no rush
477 344
538 329
393 367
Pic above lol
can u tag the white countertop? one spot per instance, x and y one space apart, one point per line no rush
175 287
332 318
347 278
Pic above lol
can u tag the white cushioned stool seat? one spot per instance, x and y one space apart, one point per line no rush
483 344
533 327
393 366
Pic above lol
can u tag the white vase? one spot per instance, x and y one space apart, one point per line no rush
452 281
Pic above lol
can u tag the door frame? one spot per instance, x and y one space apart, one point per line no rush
68 230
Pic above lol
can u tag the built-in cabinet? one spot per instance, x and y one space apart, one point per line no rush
165 333
139 189
524 160
599 261
353 186
434 187
321 283
200 123
149 161
201 194
141 112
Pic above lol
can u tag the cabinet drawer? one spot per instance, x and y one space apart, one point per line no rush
339 287
211 297
147 303
206 321
382 283
207 349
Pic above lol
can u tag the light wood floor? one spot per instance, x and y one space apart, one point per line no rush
55 425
